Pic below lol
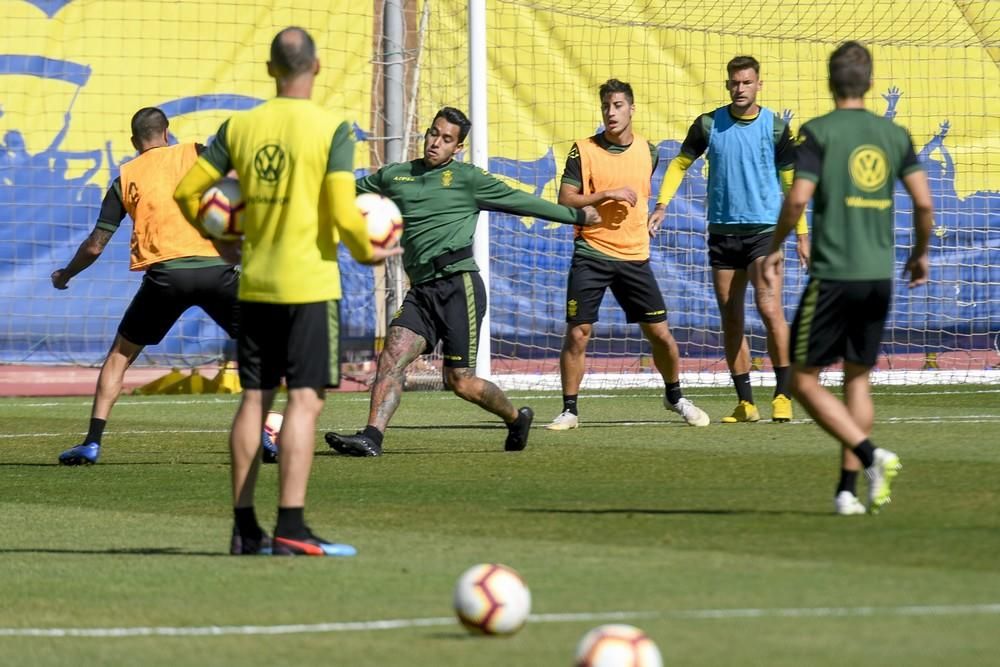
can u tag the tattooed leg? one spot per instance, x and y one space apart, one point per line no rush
402 346
485 394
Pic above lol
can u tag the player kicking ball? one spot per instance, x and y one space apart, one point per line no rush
440 200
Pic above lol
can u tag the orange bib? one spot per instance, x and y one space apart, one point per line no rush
159 230
623 232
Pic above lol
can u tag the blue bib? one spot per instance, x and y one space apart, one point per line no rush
743 185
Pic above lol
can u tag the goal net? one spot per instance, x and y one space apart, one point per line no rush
935 65
74 72
72 75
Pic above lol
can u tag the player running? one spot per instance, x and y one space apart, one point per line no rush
848 162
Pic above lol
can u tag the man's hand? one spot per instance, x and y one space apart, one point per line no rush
917 266
802 249
382 254
771 268
60 278
655 219
593 217
229 251
626 195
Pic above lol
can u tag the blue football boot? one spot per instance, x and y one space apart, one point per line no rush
81 455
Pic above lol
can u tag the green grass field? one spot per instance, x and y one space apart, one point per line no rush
722 537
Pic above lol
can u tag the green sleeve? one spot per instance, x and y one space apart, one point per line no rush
341 156
217 153
654 155
370 183
784 147
493 194
696 141
112 208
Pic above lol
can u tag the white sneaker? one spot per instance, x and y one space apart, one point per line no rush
880 476
847 504
564 422
693 415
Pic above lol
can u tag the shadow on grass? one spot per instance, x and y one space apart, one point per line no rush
137 551
105 464
669 512
410 452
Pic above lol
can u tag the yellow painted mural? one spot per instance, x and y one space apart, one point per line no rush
936 67
73 72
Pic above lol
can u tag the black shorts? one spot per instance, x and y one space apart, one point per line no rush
728 251
450 309
300 342
632 283
840 319
166 293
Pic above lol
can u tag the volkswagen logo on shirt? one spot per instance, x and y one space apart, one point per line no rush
269 162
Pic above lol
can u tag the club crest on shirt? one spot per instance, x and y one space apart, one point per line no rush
571 307
446 178
133 194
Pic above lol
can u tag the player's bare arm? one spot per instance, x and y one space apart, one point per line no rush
791 210
86 254
570 195
917 265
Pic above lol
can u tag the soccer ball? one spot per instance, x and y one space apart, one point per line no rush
385 222
492 599
272 426
221 210
617 646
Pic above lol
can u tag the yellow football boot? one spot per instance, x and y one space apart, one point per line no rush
781 409
744 412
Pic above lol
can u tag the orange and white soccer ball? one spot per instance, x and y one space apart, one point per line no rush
385 222
617 645
492 599
221 211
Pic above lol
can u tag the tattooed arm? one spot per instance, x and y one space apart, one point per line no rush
111 215
86 254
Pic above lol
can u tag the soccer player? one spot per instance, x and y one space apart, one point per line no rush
847 163
750 160
440 200
182 268
612 171
295 164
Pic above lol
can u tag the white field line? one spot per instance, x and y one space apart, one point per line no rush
363 397
397 624
952 419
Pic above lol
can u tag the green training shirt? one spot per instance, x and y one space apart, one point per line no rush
854 157
440 207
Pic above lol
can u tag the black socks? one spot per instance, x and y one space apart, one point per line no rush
866 452
246 522
782 374
373 433
291 523
744 392
96 431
